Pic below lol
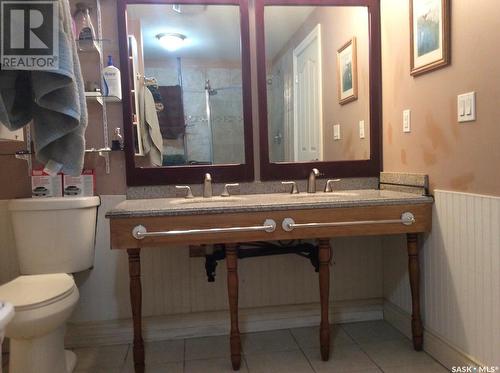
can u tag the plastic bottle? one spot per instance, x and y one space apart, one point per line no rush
117 140
111 81
85 32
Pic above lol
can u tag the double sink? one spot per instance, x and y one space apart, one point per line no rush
248 198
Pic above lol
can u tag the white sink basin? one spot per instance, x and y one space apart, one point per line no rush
199 200
324 195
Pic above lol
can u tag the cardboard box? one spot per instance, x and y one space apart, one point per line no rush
44 185
80 186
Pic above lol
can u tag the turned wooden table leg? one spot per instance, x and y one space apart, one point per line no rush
232 291
134 267
325 253
414 272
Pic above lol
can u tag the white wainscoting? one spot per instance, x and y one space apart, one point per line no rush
460 264
175 284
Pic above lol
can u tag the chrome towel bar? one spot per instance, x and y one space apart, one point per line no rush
140 232
407 218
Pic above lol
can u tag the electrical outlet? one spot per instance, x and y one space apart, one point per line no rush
406 120
361 129
336 131
466 107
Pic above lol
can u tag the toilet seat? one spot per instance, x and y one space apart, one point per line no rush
36 291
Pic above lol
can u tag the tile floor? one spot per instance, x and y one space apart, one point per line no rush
366 347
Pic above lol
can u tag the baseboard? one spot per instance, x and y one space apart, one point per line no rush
436 346
202 324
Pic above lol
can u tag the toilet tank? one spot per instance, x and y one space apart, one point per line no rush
55 234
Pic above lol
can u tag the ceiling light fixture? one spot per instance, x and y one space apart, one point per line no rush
171 41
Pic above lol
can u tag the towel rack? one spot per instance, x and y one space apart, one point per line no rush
407 218
140 232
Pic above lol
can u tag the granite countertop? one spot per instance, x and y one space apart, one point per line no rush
262 202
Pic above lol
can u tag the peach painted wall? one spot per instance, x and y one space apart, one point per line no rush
459 157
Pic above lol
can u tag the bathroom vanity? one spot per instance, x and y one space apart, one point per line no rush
143 223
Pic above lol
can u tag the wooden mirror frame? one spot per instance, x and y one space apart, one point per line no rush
300 170
194 173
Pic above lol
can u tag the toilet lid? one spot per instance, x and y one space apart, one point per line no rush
28 291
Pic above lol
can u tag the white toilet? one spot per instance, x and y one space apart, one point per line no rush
6 314
54 238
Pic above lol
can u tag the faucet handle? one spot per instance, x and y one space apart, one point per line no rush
294 190
187 188
328 185
225 193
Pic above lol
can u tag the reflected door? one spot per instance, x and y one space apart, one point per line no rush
307 98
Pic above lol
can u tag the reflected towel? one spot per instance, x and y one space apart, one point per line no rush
152 141
54 100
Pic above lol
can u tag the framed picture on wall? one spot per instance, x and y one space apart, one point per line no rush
429 35
347 72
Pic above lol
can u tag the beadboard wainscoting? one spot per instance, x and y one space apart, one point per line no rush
460 264
174 284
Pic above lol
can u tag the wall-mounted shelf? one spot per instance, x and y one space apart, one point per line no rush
97 96
101 150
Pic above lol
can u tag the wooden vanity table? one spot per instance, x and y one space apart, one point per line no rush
173 221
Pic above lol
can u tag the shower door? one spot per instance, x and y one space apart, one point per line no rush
226 120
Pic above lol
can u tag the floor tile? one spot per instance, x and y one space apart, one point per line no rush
372 331
155 366
207 347
276 362
164 351
99 370
89 358
418 368
346 358
177 367
309 337
395 353
272 341
218 365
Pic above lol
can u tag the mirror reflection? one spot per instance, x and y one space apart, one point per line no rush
317 66
186 84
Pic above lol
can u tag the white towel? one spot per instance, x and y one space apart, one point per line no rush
152 141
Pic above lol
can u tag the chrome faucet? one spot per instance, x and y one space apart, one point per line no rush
311 181
207 186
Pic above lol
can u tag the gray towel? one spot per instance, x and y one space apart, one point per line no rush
54 100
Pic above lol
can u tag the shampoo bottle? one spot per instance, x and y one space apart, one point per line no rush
111 81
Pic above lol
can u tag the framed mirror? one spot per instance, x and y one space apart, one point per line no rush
185 69
319 79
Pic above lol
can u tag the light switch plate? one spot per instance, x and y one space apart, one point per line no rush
361 129
466 107
406 120
336 131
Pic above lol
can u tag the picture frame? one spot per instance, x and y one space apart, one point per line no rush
347 72
429 35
